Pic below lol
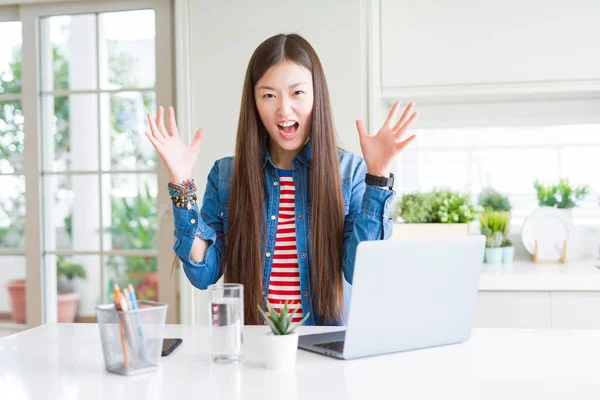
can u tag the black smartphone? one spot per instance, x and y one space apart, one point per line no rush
169 345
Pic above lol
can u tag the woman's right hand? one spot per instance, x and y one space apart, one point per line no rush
178 157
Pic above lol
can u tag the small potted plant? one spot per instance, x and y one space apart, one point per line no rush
560 195
493 226
68 298
439 213
508 251
492 201
282 342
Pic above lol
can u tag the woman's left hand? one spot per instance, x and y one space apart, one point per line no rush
379 150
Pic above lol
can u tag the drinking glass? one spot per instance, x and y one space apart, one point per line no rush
226 314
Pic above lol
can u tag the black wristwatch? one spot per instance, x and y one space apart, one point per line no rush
381 181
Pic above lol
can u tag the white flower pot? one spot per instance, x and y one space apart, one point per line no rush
280 351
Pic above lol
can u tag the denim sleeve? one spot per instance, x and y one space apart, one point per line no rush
206 225
368 217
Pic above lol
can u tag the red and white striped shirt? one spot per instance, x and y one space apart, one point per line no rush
284 284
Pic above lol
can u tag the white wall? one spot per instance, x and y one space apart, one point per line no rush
223 36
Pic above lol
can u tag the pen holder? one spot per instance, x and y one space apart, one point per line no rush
132 340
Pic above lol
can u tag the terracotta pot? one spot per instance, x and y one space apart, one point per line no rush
67 306
67 303
16 290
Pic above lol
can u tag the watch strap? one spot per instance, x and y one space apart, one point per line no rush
381 181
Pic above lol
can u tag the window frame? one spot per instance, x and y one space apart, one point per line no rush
41 279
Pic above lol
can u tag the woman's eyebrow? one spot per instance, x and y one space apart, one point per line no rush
289 87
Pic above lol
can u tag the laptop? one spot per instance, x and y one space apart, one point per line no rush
407 295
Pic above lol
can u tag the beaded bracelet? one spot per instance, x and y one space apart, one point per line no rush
183 195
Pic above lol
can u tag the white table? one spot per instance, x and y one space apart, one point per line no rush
64 361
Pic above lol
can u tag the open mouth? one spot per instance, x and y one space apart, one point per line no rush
288 129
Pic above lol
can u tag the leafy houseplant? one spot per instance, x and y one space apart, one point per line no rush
451 207
133 226
415 208
282 341
438 213
560 195
491 200
441 206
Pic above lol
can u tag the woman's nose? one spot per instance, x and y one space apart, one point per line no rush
284 107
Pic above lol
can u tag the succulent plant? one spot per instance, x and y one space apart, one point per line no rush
281 324
494 241
494 225
506 242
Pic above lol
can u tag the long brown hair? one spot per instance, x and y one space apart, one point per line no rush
243 259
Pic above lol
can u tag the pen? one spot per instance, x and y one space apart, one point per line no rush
132 296
134 305
127 299
118 299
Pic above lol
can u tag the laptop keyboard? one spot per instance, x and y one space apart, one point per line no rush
335 346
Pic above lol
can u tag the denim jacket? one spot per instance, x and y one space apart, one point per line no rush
366 210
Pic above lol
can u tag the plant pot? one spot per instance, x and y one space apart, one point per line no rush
280 351
16 291
67 303
493 255
67 306
404 231
508 255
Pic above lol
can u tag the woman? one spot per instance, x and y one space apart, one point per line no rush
285 215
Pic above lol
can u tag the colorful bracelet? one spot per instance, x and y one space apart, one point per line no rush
183 195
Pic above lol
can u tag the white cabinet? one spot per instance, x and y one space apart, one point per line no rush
469 51
478 47
513 310
575 310
538 309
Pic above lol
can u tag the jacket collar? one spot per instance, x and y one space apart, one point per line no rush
304 156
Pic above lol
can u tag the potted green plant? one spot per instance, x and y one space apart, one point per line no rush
491 200
133 226
493 226
281 343
560 195
508 251
68 298
439 213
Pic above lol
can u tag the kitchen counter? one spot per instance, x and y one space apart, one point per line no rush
527 276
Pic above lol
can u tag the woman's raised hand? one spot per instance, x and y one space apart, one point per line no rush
178 157
379 150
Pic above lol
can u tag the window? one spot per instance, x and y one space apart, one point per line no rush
75 135
508 159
